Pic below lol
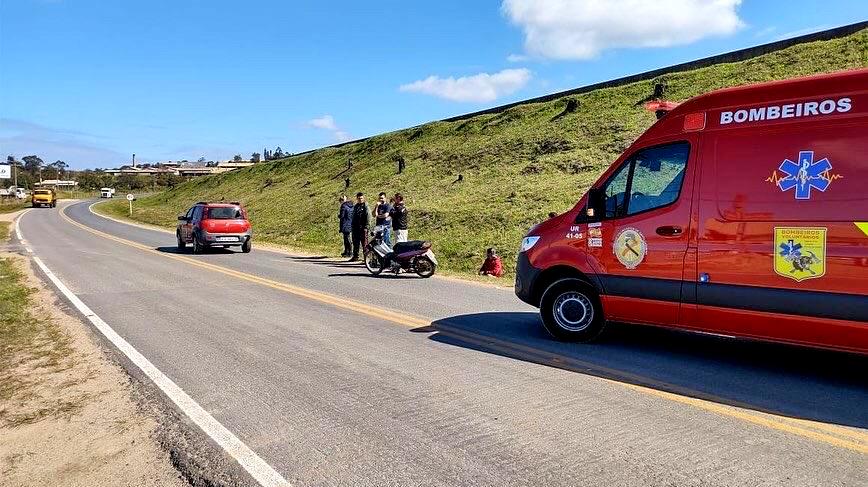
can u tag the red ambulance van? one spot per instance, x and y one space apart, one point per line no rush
740 212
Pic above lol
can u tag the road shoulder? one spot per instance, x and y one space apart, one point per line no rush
66 411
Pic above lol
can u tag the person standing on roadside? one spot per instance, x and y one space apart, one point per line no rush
384 220
361 224
399 218
345 219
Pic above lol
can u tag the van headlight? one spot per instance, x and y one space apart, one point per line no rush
528 243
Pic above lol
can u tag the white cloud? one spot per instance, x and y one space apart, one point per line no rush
327 122
517 58
581 29
480 87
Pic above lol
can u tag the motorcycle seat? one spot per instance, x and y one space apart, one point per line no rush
412 245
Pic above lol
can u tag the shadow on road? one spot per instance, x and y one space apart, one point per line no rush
819 385
305 258
384 275
325 261
189 250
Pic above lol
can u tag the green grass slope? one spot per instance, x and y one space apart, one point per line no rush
518 165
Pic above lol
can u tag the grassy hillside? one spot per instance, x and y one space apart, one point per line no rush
517 165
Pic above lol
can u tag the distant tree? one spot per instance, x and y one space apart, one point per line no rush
59 168
32 164
237 158
201 159
278 153
255 157
94 179
133 181
167 180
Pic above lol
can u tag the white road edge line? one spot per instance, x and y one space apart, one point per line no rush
18 231
252 463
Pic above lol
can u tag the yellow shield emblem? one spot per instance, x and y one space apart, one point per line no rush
800 252
630 247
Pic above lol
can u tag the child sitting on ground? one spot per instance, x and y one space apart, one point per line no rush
492 265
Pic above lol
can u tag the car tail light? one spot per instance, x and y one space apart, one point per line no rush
694 121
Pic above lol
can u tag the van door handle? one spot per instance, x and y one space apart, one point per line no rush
669 230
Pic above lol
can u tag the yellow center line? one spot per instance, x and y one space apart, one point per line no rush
855 440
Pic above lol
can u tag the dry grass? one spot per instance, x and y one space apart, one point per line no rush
32 348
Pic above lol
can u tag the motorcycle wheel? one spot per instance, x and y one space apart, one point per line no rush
374 263
424 267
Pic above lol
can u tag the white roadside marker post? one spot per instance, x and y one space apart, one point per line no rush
130 198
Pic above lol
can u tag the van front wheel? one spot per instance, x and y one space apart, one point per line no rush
570 310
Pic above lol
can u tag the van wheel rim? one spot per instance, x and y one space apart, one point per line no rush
573 311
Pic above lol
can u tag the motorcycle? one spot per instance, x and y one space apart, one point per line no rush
413 256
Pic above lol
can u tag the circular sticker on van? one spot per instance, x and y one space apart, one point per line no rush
630 247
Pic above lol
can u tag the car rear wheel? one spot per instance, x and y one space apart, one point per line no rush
570 310
181 243
247 246
198 248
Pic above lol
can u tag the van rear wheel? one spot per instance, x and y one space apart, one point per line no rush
570 310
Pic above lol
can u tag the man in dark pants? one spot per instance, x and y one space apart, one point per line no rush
361 223
345 217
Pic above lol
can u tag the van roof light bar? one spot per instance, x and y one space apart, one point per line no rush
660 107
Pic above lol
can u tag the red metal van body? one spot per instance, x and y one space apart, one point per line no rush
741 212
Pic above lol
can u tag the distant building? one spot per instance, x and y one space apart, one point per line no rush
141 170
57 183
181 168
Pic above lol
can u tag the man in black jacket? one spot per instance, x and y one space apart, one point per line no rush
345 219
361 224
399 218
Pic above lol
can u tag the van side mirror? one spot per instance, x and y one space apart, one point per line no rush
596 208
182 218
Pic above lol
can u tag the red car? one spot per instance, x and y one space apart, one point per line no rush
742 212
214 225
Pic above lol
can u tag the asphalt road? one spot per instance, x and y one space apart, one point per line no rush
454 384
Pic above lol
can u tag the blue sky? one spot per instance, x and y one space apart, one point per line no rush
92 82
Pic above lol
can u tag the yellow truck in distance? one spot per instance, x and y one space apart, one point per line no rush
44 197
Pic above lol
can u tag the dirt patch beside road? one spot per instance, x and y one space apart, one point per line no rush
66 412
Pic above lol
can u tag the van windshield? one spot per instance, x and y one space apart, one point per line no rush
657 177
225 213
650 179
42 191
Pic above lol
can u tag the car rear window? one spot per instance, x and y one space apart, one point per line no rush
42 191
225 213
